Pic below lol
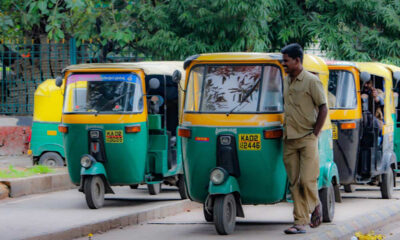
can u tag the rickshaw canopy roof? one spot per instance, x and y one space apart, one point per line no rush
391 67
374 68
48 102
311 62
149 68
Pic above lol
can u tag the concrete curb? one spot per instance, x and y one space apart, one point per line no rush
143 216
364 223
38 184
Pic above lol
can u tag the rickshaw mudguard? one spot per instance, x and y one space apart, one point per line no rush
96 169
50 147
230 185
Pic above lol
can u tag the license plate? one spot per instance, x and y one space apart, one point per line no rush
114 136
250 142
334 132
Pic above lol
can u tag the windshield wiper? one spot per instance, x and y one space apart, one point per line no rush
245 97
113 101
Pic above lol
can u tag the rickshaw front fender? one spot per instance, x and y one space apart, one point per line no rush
230 185
96 169
329 173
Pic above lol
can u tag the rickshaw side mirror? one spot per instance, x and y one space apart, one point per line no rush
154 83
396 99
59 81
176 76
365 77
396 79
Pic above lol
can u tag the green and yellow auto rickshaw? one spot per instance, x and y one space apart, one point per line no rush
46 145
119 123
395 70
233 108
362 124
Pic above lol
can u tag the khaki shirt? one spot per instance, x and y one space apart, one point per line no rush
302 98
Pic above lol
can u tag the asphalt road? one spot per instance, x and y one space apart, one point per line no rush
261 222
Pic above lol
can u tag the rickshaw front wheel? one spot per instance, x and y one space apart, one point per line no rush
387 184
225 214
154 189
327 198
51 159
348 188
134 186
94 191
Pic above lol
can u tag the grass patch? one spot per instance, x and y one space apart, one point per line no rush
12 172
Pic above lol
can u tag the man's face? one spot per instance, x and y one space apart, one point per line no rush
290 65
368 85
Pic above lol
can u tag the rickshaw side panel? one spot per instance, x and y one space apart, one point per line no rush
346 150
263 176
328 169
125 162
46 138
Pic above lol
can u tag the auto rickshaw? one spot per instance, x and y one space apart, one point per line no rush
46 145
362 129
234 109
395 70
119 124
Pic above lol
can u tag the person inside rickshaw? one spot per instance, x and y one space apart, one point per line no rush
372 97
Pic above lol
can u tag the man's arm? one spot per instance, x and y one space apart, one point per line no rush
322 113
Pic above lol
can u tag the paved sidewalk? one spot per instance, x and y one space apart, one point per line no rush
16 161
64 214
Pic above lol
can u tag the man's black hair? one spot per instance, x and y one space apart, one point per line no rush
294 51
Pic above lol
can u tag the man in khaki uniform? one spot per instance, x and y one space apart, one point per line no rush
305 114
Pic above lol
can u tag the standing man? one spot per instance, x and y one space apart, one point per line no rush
305 114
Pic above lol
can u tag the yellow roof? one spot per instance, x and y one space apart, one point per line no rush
149 68
374 68
46 88
392 68
311 62
48 102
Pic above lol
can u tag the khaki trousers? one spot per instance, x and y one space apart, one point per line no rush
302 166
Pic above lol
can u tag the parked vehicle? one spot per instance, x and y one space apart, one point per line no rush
231 130
119 123
362 126
46 145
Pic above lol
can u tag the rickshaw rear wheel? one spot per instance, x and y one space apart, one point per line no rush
94 191
154 189
182 186
224 214
208 215
387 184
348 188
327 198
51 159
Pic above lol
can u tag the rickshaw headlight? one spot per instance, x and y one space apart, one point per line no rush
218 175
87 161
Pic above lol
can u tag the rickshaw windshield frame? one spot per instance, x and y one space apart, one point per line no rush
260 94
354 92
132 96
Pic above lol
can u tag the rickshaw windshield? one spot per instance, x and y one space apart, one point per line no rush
342 90
241 88
105 93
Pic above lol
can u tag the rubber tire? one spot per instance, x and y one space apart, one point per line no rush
387 184
154 189
327 198
94 190
348 188
224 214
134 186
207 216
182 187
51 159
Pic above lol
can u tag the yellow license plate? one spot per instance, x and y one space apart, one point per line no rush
114 136
250 142
334 132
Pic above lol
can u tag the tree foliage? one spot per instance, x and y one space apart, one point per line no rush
174 29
